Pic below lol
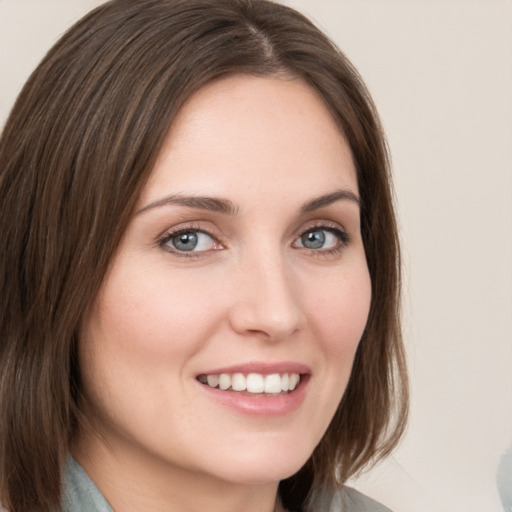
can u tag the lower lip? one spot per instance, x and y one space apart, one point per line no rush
261 405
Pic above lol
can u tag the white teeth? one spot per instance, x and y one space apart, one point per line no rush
255 383
293 381
213 380
274 383
224 381
284 382
238 382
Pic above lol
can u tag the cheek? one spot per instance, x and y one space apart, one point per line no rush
337 314
141 334
340 310
134 349
150 316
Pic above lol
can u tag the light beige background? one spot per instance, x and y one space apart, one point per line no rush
441 74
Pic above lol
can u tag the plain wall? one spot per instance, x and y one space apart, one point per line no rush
441 75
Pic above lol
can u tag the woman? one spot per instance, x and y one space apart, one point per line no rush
201 264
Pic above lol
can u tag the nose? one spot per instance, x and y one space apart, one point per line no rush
267 301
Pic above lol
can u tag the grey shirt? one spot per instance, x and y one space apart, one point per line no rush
81 495
79 492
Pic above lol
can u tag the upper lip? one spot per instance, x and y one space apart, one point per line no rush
262 367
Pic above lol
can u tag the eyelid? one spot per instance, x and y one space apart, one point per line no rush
322 224
333 227
184 228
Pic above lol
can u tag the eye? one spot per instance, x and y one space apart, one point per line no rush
190 240
322 238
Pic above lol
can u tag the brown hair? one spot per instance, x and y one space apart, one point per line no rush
75 153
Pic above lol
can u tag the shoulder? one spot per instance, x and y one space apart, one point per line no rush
345 499
354 501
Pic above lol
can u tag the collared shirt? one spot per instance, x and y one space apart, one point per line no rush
79 492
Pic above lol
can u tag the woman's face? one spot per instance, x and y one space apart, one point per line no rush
243 267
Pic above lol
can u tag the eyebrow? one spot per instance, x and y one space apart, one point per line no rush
327 199
212 204
227 207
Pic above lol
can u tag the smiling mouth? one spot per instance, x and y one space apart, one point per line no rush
252 383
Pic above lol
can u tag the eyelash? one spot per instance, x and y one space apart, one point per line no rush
181 231
343 238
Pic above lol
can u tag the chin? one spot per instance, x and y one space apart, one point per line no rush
259 475
263 466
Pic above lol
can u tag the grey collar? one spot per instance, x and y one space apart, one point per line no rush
79 494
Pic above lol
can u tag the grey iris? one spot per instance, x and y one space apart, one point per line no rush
313 239
185 241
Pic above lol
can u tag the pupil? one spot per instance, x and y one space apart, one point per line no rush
313 239
185 241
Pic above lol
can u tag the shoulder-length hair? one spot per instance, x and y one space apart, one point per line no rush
75 154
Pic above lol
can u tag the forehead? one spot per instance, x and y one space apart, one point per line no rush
253 133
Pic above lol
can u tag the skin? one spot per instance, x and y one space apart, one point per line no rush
253 292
